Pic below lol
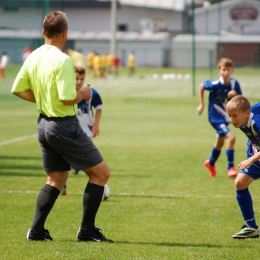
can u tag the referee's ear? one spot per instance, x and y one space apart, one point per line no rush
65 34
43 33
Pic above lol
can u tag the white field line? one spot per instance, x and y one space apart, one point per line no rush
18 139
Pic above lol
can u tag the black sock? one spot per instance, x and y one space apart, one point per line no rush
91 202
44 204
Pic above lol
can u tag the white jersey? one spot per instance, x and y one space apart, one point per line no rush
4 61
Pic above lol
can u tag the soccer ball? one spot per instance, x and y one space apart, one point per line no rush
106 193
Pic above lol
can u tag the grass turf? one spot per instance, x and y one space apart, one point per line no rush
163 204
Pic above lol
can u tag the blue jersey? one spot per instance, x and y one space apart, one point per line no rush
252 131
86 106
218 99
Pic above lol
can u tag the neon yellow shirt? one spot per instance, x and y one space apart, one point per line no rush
50 74
109 60
90 57
96 62
131 60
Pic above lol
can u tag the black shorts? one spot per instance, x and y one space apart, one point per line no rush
65 144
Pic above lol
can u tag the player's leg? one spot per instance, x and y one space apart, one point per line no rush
80 153
98 176
230 152
57 173
44 204
244 199
2 72
216 149
63 192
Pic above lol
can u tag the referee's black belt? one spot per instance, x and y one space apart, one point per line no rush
56 118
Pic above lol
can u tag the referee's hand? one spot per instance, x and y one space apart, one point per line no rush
86 92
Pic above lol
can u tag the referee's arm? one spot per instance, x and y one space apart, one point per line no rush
83 93
26 95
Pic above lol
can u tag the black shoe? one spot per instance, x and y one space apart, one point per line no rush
39 236
94 236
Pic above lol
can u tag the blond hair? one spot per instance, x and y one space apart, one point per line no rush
238 103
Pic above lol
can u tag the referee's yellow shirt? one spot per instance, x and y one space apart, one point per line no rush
50 74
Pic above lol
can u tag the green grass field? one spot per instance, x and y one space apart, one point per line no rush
163 204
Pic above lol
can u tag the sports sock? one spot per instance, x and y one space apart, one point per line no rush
91 202
230 158
44 204
245 203
214 156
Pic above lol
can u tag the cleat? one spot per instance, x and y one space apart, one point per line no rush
246 232
74 171
39 236
232 172
63 191
212 169
94 236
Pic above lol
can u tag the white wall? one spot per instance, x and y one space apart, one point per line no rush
217 18
147 53
181 51
91 19
133 15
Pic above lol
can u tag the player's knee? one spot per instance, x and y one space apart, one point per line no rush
240 184
106 173
231 138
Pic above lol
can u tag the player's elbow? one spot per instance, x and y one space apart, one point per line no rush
67 102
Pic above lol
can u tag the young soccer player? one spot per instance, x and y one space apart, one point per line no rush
4 63
85 112
217 115
131 64
88 121
247 118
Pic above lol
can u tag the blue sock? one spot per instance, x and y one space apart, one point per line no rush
245 203
230 158
214 156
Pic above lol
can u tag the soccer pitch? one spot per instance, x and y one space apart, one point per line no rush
163 203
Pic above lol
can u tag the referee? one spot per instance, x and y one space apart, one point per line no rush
47 78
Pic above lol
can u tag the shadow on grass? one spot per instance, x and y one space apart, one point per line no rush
23 174
168 244
204 245
5 157
10 166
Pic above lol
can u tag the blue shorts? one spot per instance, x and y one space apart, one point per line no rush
221 128
253 171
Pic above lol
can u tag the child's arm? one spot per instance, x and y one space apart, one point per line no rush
246 163
201 97
95 128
